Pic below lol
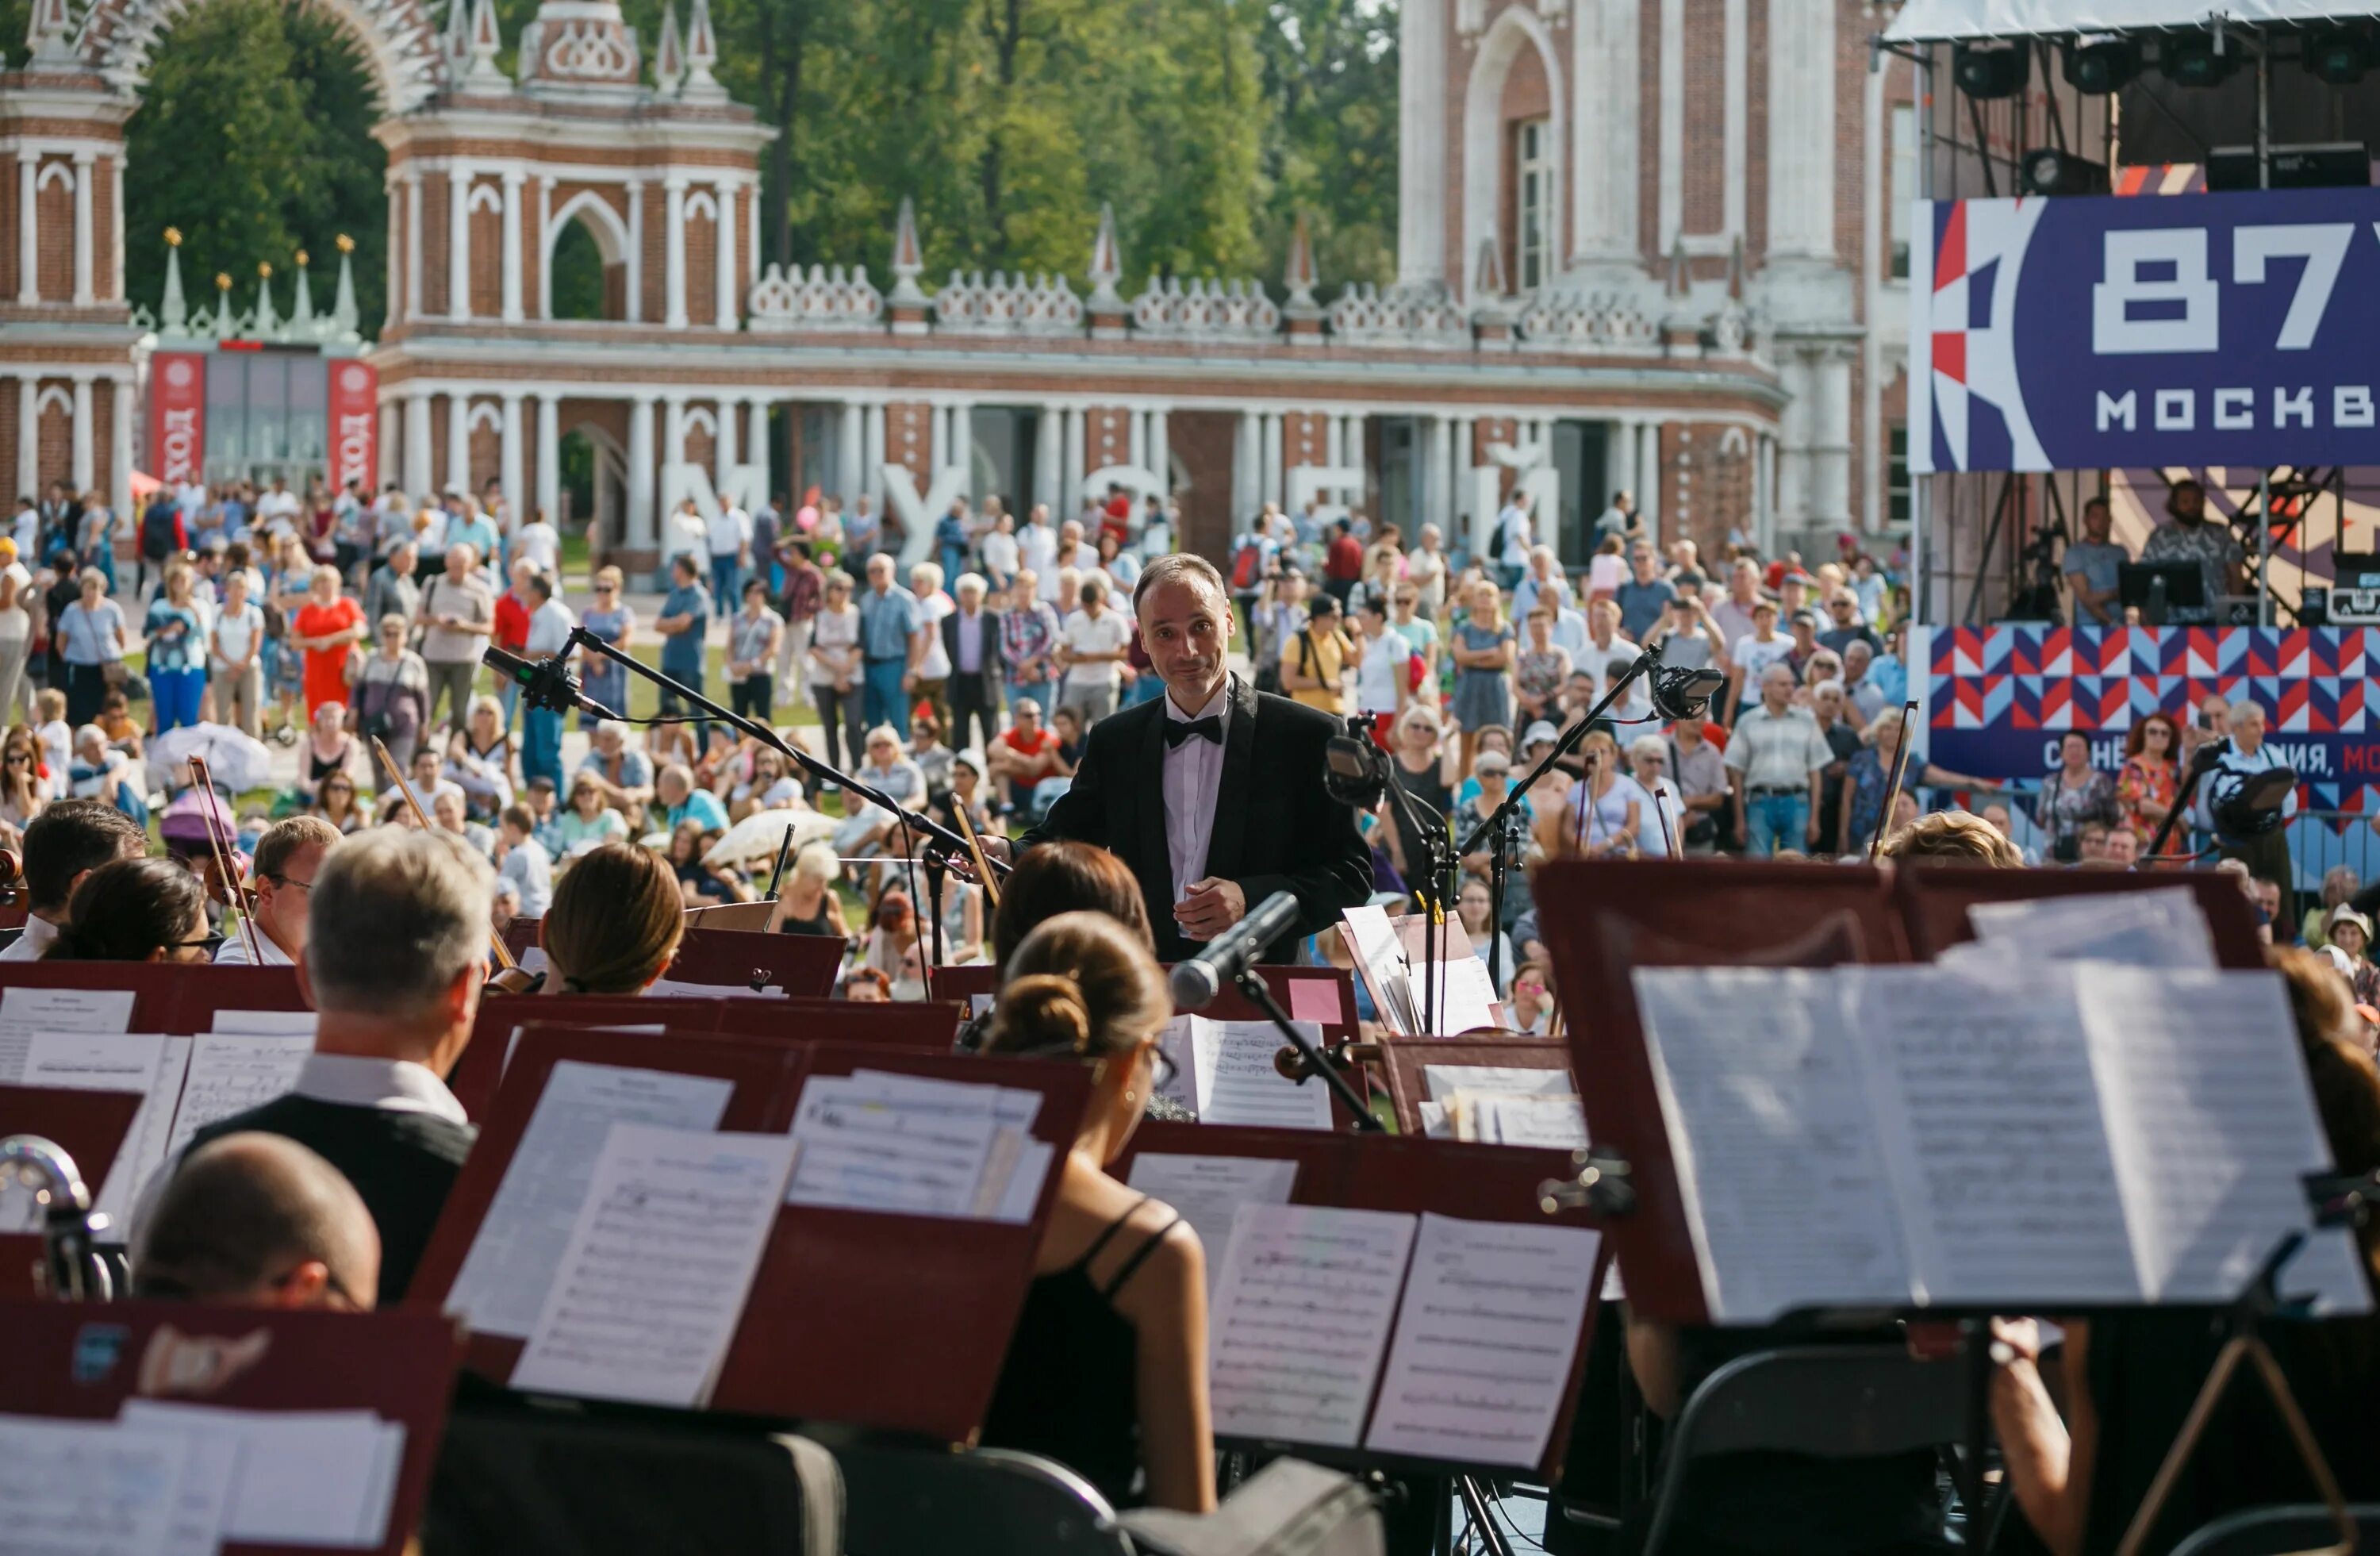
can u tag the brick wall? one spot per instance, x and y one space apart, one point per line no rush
655 278
102 430
54 204
1203 441
487 452
1107 439
442 476
701 270
434 213
56 423
103 235
1648 129
532 251
701 448
909 438
487 261
1702 208
1756 138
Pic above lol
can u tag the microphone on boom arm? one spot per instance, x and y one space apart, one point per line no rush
545 683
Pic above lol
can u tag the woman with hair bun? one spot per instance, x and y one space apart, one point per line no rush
614 922
1107 1373
136 910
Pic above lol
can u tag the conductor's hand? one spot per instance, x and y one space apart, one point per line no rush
1211 906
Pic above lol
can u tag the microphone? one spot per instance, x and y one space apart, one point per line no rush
1199 980
1352 766
544 684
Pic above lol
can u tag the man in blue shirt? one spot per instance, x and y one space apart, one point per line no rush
951 538
685 624
892 644
1643 598
680 800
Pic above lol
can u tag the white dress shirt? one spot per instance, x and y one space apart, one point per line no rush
28 946
1194 771
397 1086
233 952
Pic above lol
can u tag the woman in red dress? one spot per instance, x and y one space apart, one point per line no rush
2151 778
325 627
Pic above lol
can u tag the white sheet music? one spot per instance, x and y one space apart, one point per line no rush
677 989
653 1282
1301 1318
232 1072
1467 995
72 1487
1509 1080
147 1063
203 1500
1236 1083
1486 1335
1210 1190
1372 941
1014 1155
506 1275
1557 1122
1989 1116
2159 929
881 1144
282 1021
24 1012
299 1476
1786 1190
2210 1121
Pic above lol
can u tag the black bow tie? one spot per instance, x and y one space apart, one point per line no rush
1209 728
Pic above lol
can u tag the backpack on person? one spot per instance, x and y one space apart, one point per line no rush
161 532
1497 539
1247 566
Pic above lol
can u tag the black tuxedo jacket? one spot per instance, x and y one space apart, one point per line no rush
1275 829
986 680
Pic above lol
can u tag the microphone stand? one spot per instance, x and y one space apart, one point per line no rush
1503 822
950 845
2203 760
1251 985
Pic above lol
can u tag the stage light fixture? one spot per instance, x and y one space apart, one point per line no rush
2048 171
2097 66
1991 70
2193 61
2339 55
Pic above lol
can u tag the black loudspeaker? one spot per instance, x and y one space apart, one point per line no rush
2337 54
2343 165
2098 66
2048 171
1991 70
2193 61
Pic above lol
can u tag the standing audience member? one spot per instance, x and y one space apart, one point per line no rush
90 632
369 1099
458 616
1091 651
1106 1373
971 641
393 693
836 672
612 621
2265 853
2151 778
1483 652
550 625
234 646
755 636
1777 759
685 625
892 645
176 641
2074 793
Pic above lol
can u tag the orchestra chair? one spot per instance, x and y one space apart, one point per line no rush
1837 1401
2276 1531
511 1479
985 1501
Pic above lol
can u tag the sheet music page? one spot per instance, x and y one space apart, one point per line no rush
282 1021
73 1488
877 1146
1989 1117
1486 1336
1301 1318
1505 1080
1380 957
1237 1083
143 1062
24 1012
1014 1150
510 1269
299 1476
1787 1195
232 1072
512 1039
1210 1190
1559 1122
202 1501
1434 1124
654 1279
1467 996
2160 929
2210 1118
678 988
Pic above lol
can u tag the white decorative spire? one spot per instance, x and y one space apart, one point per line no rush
267 324
301 307
226 327
1487 277
1300 276
174 315
908 259
457 39
701 54
1107 262
486 41
50 34
345 316
669 58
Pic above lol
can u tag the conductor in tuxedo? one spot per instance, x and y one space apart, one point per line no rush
1211 794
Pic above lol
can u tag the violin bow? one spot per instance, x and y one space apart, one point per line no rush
235 894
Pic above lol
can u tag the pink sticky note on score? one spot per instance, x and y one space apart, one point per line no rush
1315 999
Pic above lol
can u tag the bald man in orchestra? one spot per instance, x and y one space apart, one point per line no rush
1212 793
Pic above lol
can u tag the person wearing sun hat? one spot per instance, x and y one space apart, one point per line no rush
2349 937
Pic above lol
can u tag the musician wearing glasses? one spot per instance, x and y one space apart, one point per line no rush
395 952
1213 793
136 910
258 1220
287 856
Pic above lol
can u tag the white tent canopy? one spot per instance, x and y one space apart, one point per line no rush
1946 20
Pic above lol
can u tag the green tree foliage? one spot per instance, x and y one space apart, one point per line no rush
253 139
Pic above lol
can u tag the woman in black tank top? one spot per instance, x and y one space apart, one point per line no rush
1105 1373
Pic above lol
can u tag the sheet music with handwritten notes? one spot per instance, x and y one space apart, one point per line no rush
659 1265
1788 1196
1301 1321
510 1269
73 1488
1210 1190
1486 1336
232 1072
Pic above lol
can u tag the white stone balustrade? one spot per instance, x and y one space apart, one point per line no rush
784 300
1203 310
1408 316
1043 305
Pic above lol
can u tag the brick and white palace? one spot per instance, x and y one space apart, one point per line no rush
1642 244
